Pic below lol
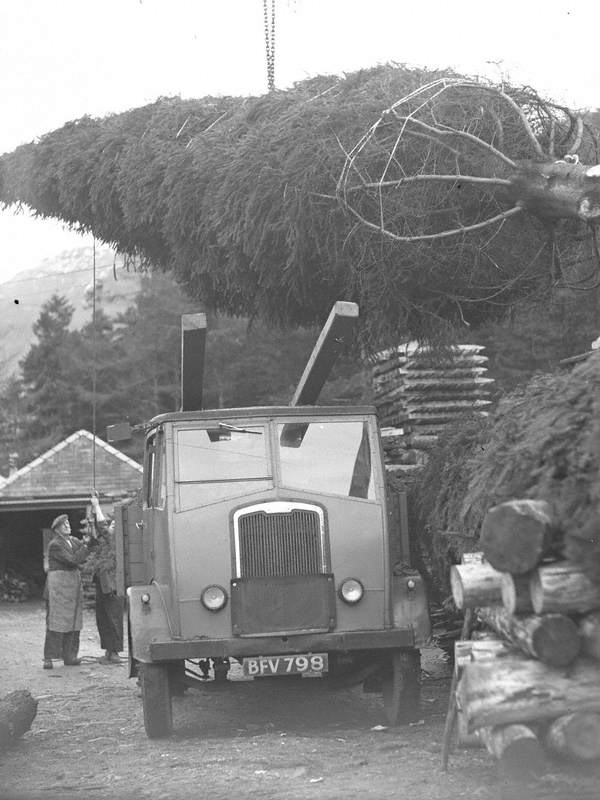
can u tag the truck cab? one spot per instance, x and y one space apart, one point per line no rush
264 542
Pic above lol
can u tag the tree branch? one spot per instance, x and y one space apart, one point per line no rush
516 108
462 134
443 234
444 178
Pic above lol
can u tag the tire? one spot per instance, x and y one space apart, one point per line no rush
156 700
133 665
176 670
402 687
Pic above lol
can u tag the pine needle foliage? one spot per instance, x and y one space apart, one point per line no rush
237 198
542 442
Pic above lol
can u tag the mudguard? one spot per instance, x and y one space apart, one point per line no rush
148 621
409 604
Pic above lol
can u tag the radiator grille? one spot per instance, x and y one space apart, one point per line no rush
280 544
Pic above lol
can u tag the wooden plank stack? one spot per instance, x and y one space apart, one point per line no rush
537 689
418 393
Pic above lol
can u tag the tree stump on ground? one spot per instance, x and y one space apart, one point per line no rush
17 712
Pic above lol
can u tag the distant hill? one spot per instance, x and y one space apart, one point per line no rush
70 275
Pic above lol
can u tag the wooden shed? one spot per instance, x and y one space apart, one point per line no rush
58 481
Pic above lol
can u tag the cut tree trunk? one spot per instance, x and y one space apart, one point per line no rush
589 630
516 597
557 190
475 585
551 638
563 587
575 736
17 712
517 750
516 535
522 690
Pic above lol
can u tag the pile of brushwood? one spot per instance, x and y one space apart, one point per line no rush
542 442
13 587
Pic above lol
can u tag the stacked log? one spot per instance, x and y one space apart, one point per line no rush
536 690
418 393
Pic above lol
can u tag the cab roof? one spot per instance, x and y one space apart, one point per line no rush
262 412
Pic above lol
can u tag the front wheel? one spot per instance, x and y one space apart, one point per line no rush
156 700
402 687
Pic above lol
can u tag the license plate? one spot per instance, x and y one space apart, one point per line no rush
302 664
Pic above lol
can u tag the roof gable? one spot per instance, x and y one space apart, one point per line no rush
66 470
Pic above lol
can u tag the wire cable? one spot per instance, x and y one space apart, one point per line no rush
94 368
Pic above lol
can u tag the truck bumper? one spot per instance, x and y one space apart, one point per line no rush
280 645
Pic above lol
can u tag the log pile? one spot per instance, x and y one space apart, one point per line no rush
418 393
532 687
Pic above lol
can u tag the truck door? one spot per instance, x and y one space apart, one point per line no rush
128 537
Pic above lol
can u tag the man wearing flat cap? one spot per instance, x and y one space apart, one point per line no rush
66 554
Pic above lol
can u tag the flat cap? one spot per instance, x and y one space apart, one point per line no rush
59 521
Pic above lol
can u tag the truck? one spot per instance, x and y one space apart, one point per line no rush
262 540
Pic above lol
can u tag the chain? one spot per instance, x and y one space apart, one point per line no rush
270 43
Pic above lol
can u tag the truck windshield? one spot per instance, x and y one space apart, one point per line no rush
330 457
214 464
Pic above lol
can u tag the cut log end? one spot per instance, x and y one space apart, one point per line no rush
523 760
519 754
516 535
556 641
475 585
575 736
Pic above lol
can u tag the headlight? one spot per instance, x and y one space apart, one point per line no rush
214 597
351 590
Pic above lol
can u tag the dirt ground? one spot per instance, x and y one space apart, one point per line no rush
244 739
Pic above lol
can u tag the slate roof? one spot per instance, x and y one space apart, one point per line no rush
64 473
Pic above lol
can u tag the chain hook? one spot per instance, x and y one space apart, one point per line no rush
270 43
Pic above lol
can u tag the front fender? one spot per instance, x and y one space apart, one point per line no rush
409 605
148 621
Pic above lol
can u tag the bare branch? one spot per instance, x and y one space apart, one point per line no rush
578 136
461 134
516 108
552 144
443 234
419 178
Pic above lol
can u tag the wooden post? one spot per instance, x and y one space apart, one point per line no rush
563 587
575 736
333 337
451 715
552 638
475 585
512 690
517 534
193 341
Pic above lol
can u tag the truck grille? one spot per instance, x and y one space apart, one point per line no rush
280 543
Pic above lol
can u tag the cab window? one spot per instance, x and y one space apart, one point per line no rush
218 463
330 457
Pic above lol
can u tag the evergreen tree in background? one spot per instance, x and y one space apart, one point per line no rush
48 373
129 369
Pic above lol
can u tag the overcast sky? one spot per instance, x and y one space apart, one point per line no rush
63 59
